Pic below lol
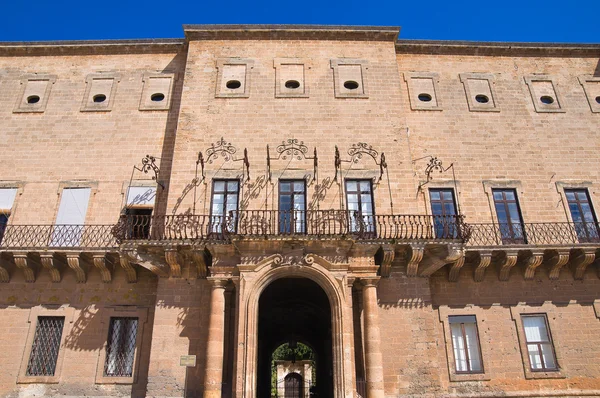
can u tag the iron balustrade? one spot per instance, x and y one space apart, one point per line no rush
264 223
557 233
57 236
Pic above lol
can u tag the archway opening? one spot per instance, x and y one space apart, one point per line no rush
294 321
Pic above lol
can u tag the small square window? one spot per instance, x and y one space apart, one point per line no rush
539 343
121 346
480 92
465 344
233 78
544 94
46 346
35 91
290 78
423 91
100 92
156 94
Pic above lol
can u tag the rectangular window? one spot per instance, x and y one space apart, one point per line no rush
120 348
539 343
7 198
140 204
582 213
224 205
359 195
46 344
508 212
68 229
465 342
292 206
443 209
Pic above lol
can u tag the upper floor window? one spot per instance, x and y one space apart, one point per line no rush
140 204
69 226
292 206
120 348
582 214
224 205
46 345
508 212
443 208
7 198
359 195
539 343
465 342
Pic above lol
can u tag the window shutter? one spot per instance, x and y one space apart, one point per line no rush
7 198
141 196
73 206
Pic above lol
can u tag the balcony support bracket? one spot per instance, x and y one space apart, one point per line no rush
128 267
173 259
506 261
22 261
556 259
414 258
531 260
388 254
455 269
580 259
484 260
100 263
47 260
75 263
148 261
439 256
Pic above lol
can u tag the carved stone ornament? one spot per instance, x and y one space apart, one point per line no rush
307 259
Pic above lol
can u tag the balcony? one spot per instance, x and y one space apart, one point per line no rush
294 224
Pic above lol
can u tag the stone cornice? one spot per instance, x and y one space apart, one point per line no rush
291 32
448 47
84 47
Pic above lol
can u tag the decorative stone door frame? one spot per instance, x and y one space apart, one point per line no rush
336 284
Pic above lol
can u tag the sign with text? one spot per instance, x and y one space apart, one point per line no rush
187 360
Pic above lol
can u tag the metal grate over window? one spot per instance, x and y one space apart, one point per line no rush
46 344
120 350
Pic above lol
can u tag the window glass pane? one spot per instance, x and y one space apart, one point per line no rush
447 194
351 185
120 348
352 198
509 194
498 195
365 198
473 347
534 356
501 213
284 186
570 195
365 186
575 214
548 356
299 186
45 347
436 209
587 212
459 349
219 186
218 198
232 186
535 329
449 209
434 195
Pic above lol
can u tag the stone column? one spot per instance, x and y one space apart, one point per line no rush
214 347
373 357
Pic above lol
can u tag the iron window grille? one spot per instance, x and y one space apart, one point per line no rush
540 349
443 209
582 213
46 345
120 349
465 343
508 212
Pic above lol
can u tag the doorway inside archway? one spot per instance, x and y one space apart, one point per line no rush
296 312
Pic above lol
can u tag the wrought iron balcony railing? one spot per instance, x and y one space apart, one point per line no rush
57 236
559 233
263 223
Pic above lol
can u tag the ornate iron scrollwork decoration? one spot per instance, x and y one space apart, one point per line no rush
225 150
433 165
357 151
149 164
382 166
337 163
292 149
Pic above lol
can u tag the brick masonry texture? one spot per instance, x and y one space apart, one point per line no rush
538 154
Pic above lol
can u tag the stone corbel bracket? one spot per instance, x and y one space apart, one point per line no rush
174 260
482 262
580 259
199 258
4 275
455 268
438 256
100 263
414 257
505 261
47 260
147 261
387 255
74 262
556 259
23 262
530 261
128 267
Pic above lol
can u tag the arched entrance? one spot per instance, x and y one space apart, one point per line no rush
293 386
295 310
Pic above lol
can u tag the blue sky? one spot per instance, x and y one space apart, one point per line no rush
510 20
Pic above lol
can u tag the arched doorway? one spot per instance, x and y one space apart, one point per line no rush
295 310
293 386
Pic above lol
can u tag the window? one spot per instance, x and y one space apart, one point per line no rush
68 229
508 212
224 205
359 196
582 213
443 209
140 203
465 342
292 207
45 347
120 350
539 343
7 198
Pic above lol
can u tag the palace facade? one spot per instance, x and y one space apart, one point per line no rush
420 214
